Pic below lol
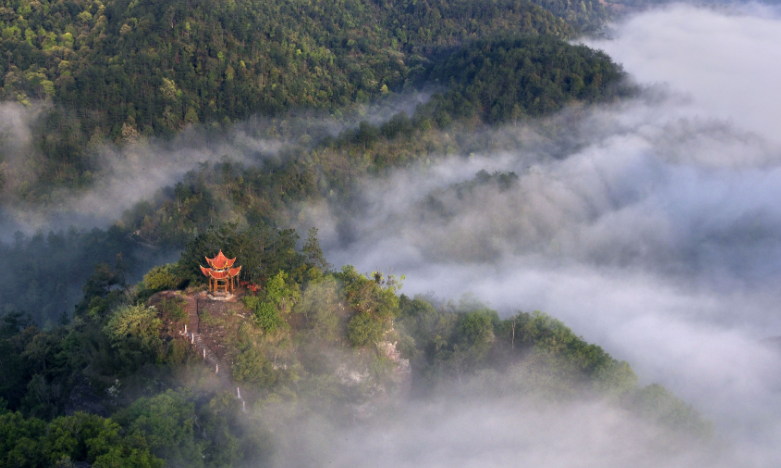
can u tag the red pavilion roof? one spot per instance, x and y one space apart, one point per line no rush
220 261
221 274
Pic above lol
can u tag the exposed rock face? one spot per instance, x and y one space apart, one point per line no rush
207 317
211 325
351 376
378 393
206 328
402 373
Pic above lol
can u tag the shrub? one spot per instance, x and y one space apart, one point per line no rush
162 278
364 329
251 366
267 316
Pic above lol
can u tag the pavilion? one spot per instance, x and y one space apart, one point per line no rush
223 278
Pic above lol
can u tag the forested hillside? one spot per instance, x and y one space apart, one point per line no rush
125 70
166 64
501 80
97 364
308 326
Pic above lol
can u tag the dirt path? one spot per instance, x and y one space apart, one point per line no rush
193 336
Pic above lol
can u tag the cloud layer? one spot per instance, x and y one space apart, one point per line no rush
129 174
651 227
496 434
727 59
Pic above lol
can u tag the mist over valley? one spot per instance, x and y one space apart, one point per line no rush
582 204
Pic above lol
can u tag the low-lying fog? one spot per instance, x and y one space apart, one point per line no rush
131 173
502 433
651 227
658 236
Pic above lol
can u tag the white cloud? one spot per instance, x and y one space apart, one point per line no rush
728 60
653 229
496 433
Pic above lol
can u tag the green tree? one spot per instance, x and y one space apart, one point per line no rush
167 423
274 303
252 366
313 251
280 293
134 333
364 329
81 437
21 440
322 307
475 331
374 303
161 278
657 403
267 316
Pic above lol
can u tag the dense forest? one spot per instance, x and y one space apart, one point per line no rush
493 81
94 366
123 71
122 360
